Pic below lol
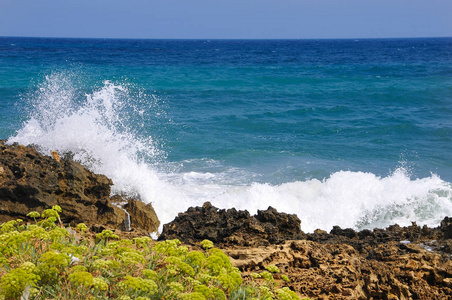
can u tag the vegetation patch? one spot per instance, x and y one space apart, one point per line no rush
45 260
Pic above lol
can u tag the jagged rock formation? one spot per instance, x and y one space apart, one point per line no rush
437 239
395 263
30 181
232 227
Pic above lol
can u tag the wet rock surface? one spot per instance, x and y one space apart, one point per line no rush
142 215
30 181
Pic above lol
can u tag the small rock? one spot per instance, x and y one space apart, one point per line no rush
55 156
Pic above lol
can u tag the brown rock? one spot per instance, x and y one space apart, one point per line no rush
142 215
55 156
30 181
232 227
393 263
325 271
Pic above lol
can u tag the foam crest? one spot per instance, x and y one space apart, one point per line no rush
96 129
349 199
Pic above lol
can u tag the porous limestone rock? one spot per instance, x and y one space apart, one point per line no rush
338 271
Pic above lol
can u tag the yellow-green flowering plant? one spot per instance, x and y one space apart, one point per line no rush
45 260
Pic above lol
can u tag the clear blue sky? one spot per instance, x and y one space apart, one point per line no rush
226 18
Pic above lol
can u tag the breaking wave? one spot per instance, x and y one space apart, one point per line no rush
101 129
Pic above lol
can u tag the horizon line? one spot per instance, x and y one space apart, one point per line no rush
225 39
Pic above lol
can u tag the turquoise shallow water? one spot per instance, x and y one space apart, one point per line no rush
350 132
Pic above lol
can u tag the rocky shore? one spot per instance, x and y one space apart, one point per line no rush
395 263
30 181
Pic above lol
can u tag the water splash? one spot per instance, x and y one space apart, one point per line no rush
97 128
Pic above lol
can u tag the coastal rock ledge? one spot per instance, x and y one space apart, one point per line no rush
30 181
395 263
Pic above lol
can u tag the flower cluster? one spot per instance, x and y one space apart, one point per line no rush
45 260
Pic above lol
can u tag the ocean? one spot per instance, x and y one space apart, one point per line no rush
355 133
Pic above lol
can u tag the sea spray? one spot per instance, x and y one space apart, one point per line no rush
96 127
95 131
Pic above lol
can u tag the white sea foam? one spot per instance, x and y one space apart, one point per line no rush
95 129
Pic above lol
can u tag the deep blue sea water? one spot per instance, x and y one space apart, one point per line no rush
356 133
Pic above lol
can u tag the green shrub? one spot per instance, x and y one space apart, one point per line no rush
47 261
13 283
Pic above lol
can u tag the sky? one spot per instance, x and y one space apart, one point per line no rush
226 19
